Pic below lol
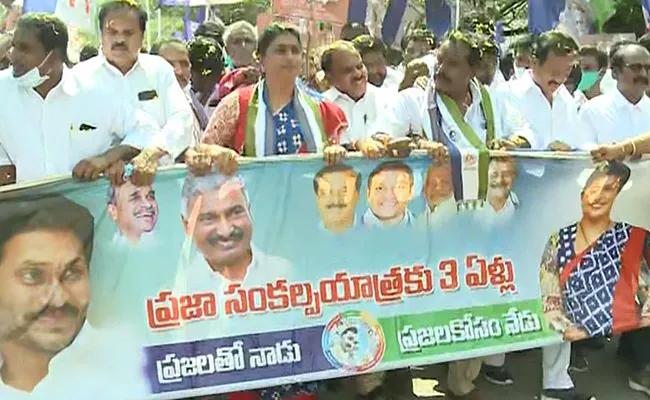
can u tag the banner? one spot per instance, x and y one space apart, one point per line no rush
333 11
290 271
575 17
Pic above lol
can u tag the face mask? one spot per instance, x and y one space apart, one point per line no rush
588 80
33 78
520 71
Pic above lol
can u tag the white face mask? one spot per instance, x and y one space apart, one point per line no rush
33 78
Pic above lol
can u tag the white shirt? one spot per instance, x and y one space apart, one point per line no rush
370 219
488 216
610 118
549 123
579 98
393 80
362 115
44 137
92 367
151 86
410 112
441 213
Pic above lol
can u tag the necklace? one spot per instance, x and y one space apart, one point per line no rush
584 236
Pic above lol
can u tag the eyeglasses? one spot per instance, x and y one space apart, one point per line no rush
638 67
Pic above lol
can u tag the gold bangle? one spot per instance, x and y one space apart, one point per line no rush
633 148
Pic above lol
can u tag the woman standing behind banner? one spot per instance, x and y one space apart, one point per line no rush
273 117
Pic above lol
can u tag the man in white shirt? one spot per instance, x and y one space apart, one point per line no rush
373 53
47 349
147 81
458 112
545 103
55 124
593 63
501 202
522 48
362 103
625 112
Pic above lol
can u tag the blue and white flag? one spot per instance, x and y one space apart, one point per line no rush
645 5
543 15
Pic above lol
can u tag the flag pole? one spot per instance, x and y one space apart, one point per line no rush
457 14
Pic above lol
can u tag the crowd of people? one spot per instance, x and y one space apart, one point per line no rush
121 112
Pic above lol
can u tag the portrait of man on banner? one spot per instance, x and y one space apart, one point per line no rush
134 210
577 18
337 193
594 273
501 201
391 186
438 192
216 214
47 347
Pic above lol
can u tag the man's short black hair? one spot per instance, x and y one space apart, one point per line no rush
213 29
155 49
610 168
123 5
366 44
470 40
52 212
555 42
337 168
206 55
595 52
391 166
272 32
524 44
419 35
353 30
352 329
50 31
87 52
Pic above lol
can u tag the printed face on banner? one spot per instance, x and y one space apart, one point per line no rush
438 185
224 228
134 209
337 195
44 289
598 197
390 190
502 173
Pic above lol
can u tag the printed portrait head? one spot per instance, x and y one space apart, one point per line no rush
45 251
390 188
216 213
133 208
603 185
438 184
337 193
502 173
350 340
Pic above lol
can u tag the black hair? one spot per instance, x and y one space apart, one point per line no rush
211 29
556 42
352 329
88 52
610 168
336 168
369 44
206 55
352 30
618 58
468 39
29 213
122 5
155 48
391 166
595 52
271 33
419 35
327 56
524 44
507 65
50 31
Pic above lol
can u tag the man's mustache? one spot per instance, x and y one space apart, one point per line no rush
215 239
66 309
119 46
145 212
336 205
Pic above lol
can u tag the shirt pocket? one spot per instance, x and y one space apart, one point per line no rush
153 108
89 139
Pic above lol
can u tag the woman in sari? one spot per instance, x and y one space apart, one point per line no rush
274 116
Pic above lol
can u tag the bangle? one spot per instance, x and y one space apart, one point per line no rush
633 148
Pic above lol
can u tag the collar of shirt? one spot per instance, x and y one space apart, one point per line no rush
333 94
63 360
202 277
528 85
113 69
621 102
370 219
